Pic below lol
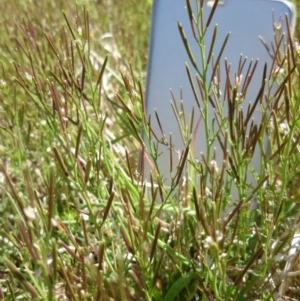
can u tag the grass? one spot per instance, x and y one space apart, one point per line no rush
77 220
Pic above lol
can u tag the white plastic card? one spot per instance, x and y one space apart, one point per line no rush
246 20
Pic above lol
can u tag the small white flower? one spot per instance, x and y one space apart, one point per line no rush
54 222
279 257
63 197
296 46
208 242
84 216
219 235
277 70
214 165
28 76
238 80
30 213
2 83
284 128
215 81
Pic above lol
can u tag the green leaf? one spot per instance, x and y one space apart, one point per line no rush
178 286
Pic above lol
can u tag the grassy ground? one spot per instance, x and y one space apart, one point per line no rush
77 222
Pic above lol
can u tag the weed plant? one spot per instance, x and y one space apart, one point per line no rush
78 221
